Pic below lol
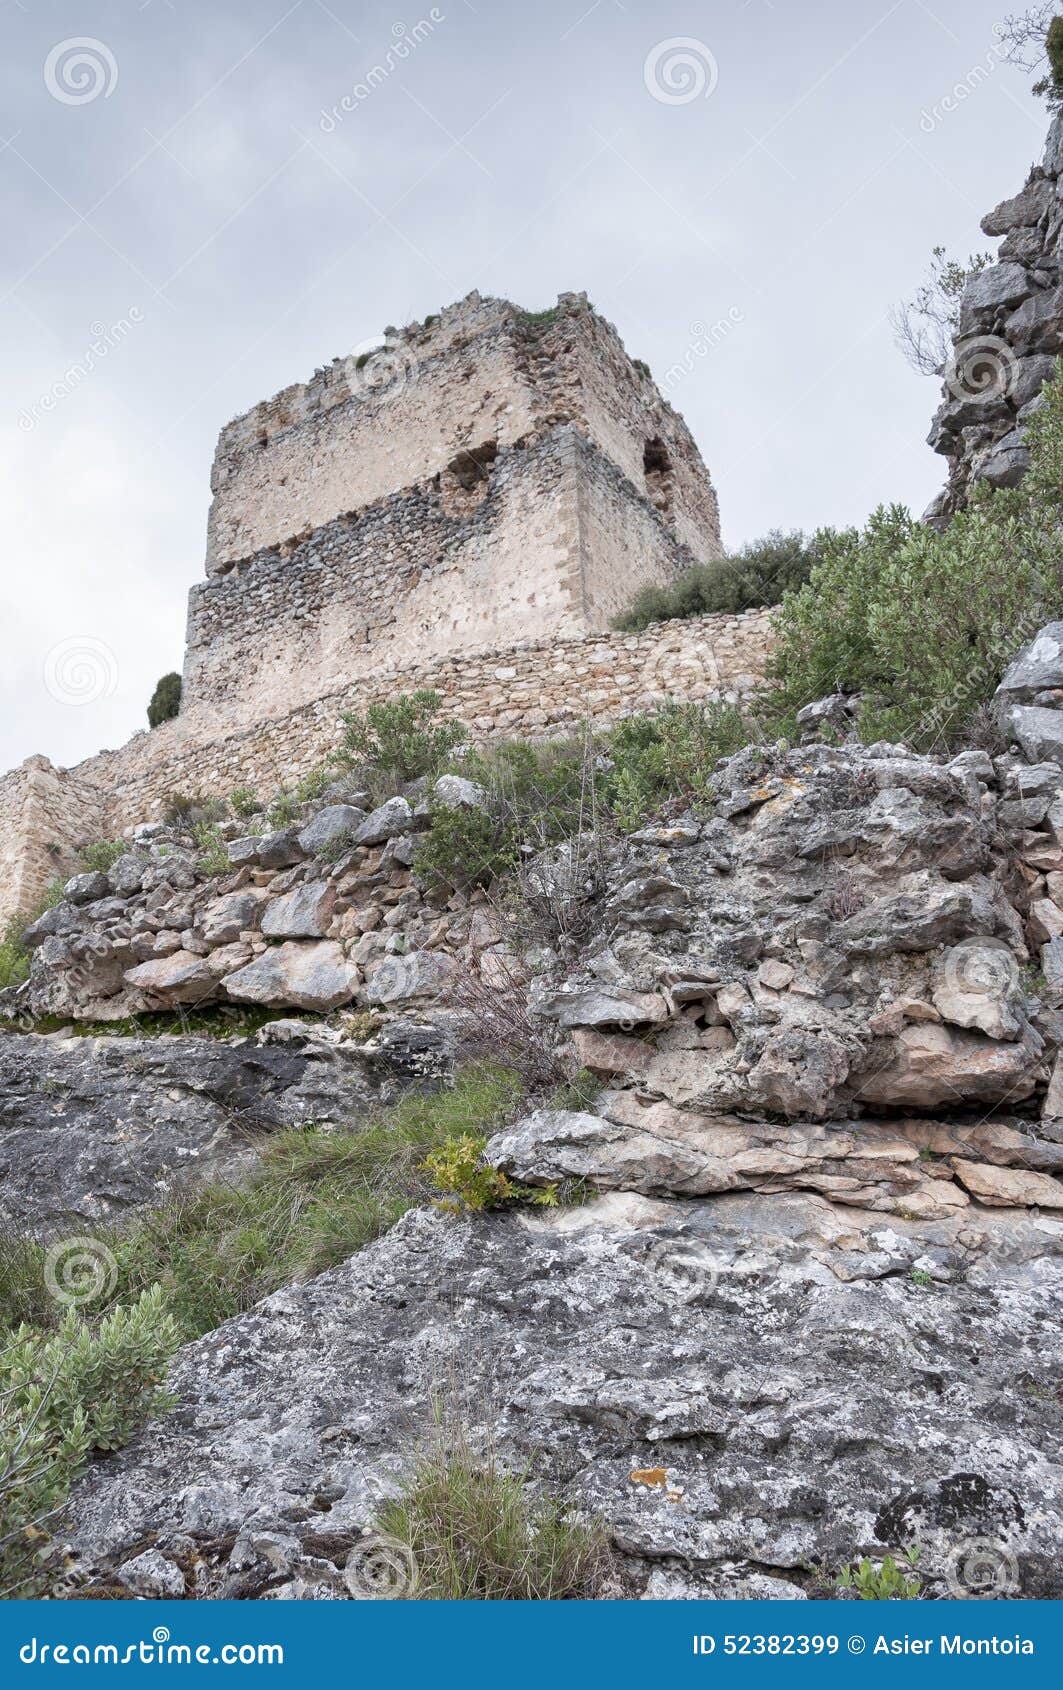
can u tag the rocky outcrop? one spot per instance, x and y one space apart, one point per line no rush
830 985
93 1128
1010 333
809 1309
739 1388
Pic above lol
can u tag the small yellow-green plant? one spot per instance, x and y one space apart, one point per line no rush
463 1180
888 1582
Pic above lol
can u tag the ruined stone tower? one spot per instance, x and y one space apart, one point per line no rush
465 508
487 477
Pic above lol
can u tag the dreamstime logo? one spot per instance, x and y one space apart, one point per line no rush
980 1570
79 70
703 340
81 670
393 978
105 340
78 1271
981 968
680 70
931 116
404 41
686 1269
379 369
681 673
380 1569
982 368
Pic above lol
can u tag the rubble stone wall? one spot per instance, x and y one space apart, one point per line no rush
533 689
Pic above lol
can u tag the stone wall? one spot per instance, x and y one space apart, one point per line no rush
482 374
536 688
1010 333
557 543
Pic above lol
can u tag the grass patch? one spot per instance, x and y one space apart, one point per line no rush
314 1199
478 1534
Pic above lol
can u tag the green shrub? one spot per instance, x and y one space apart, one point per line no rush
400 740
536 795
313 784
476 1533
283 810
1051 85
62 1395
101 857
885 1583
14 957
190 809
755 576
213 857
669 757
922 623
243 803
165 700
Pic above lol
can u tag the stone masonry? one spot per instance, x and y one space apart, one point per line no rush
466 509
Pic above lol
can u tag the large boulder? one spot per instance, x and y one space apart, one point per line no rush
314 976
337 822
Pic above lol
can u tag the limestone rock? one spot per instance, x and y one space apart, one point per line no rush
1009 1186
93 1128
84 888
179 978
928 1066
418 975
384 823
337 822
459 793
979 987
310 975
226 918
303 913
620 1338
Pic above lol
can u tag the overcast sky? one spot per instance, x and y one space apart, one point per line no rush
188 194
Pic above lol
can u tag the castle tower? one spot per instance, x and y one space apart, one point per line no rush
489 477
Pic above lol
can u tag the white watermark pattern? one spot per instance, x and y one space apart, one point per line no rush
380 1569
80 1271
105 340
404 42
81 670
79 70
979 1569
680 70
981 368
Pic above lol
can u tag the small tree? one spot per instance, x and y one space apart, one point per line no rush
925 325
165 700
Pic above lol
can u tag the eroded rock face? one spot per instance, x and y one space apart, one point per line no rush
1010 329
806 1398
91 1128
